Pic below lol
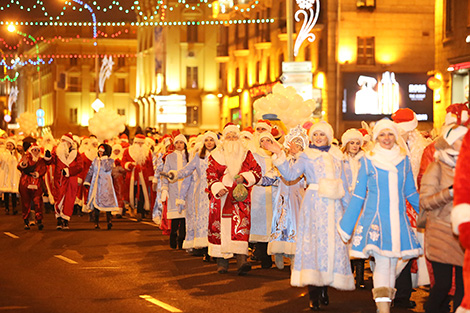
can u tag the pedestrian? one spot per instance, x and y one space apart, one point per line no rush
33 168
352 141
287 202
321 258
173 192
99 183
137 161
378 208
10 178
231 173
119 176
68 165
442 248
196 237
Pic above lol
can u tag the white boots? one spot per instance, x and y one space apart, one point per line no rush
383 297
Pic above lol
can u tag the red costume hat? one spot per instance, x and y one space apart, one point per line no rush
67 137
264 124
405 119
457 113
139 138
231 128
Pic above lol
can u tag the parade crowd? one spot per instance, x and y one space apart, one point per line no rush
385 192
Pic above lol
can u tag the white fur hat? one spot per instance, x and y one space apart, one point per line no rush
454 133
384 124
351 134
323 127
182 138
231 128
211 135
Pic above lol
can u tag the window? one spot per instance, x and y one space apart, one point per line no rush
121 112
93 85
191 77
121 85
308 53
73 115
449 17
365 4
366 50
192 115
74 84
282 17
237 78
73 61
121 62
192 33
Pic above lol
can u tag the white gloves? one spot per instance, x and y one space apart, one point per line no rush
164 195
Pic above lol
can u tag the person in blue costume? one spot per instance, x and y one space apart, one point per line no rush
321 258
378 207
287 202
172 192
99 182
197 238
351 145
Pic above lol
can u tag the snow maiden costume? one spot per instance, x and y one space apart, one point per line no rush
385 181
101 195
321 258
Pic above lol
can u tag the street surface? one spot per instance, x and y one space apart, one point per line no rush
131 268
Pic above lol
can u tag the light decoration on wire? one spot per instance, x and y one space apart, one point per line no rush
310 19
7 77
93 16
173 23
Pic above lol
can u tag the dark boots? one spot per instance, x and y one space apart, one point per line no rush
222 265
26 224
243 265
314 298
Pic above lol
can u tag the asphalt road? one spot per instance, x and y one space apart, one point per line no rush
132 269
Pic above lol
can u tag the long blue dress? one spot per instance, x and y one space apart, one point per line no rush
101 195
321 257
196 235
379 203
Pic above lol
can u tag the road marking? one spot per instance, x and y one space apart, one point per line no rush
7 308
132 219
151 224
102 268
160 304
11 235
63 258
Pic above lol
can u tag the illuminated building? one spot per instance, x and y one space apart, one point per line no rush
452 62
68 77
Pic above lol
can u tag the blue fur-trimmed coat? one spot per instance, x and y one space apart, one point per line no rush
101 195
378 201
321 257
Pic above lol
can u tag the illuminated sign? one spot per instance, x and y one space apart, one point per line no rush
371 96
171 109
261 90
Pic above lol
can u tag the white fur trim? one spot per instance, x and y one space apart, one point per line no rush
351 134
344 236
180 202
281 247
264 125
182 138
216 187
79 180
384 124
164 195
331 188
86 184
67 172
32 186
462 310
230 129
460 214
249 177
316 278
323 127
409 126
278 160
227 244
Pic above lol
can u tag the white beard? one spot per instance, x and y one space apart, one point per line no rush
138 153
83 148
63 149
116 156
234 154
91 153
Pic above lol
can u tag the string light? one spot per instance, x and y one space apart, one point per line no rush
171 23
9 78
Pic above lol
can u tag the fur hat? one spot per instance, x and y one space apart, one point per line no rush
264 124
384 124
139 138
405 119
457 113
323 127
231 128
182 138
212 135
67 137
454 133
351 134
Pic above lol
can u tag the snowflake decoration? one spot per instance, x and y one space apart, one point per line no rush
374 235
359 229
357 240
305 4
